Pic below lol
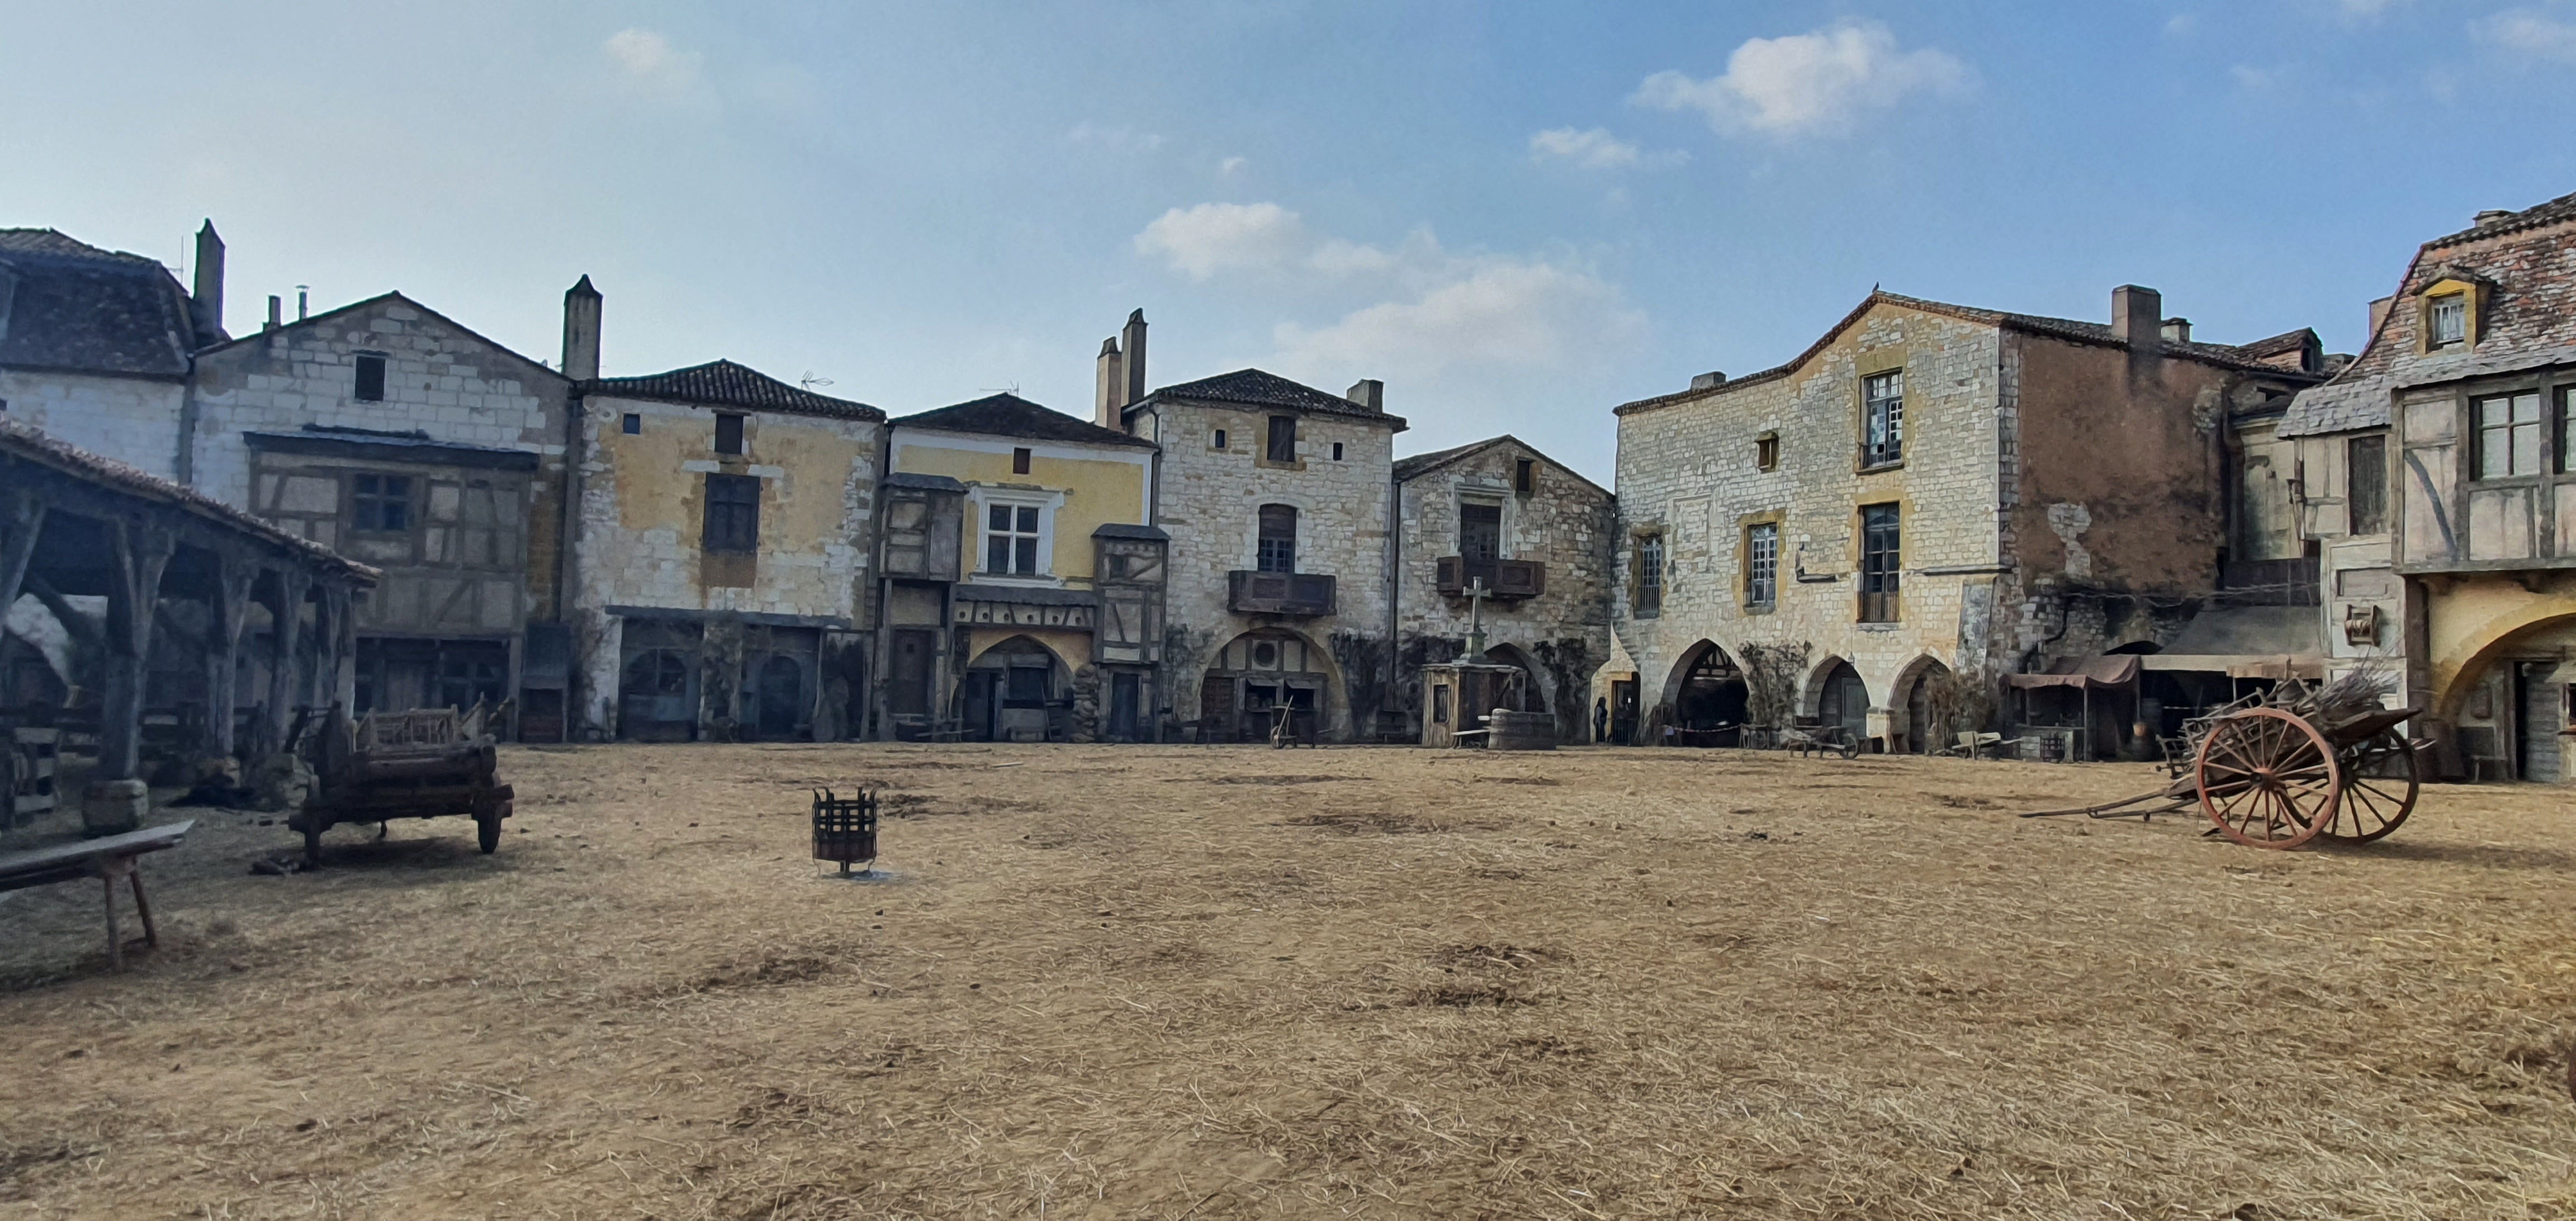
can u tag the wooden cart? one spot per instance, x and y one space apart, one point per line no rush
2283 771
418 764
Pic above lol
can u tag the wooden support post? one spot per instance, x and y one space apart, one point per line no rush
286 650
230 604
141 551
22 518
115 935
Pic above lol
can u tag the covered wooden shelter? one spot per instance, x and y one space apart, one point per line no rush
75 525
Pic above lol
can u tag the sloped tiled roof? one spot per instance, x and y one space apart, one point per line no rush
724 383
2280 345
67 305
2529 323
1418 465
1257 388
22 441
1009 415
2074 330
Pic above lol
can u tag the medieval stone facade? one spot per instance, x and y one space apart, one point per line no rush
1498 536
1276 499
1929 489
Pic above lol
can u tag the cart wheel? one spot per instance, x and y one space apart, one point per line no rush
2267 778
487 832
1848 745
2379 788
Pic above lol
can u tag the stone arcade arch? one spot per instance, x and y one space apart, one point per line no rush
1918 736
1018 690
1259 670
1535 695
1838 696
1706 690
2517 674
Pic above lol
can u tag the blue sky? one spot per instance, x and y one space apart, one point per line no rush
1518 216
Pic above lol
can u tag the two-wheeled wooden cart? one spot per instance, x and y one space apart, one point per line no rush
2278 774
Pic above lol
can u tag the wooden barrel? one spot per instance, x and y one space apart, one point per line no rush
1520 730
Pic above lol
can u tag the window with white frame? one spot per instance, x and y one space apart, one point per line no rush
2508 435
2450 319
1762 563
1011 533
1883 405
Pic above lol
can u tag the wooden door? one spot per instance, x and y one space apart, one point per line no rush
908 691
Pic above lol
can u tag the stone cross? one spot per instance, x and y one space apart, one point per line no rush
1476 619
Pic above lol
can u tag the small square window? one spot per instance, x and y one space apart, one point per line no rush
381 504
2450 319
728 434
1766 452
631 424
371 379
1218 442
1020 461
1337 451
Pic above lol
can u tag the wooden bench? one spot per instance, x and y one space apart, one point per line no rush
107 858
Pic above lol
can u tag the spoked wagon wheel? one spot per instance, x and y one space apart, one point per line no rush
2379 788
2267 778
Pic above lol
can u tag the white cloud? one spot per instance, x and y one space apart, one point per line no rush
1227 167
1497 313
1115 139
2181 24
2368 8
649 59
1597 149
1212 237
1817 82
1339 257
2256 79
2529 31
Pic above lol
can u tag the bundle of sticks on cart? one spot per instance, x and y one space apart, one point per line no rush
2280 768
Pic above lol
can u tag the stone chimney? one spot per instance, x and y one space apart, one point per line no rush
2177 330
276 312
2137 316
1131 347
1707 381
2378 314
581 331
2492 215
1109 392
1368 392
206 297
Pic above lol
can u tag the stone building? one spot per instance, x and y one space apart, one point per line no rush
398 437
1500 516
1276 498
722 569
2466 392
1929 489
1052 614
95 345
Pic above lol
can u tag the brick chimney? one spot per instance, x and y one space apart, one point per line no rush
1109 392
581 331
1707 381
206 296
2137 316
2177 330
2378 314
1131 346
1368 392
2492 215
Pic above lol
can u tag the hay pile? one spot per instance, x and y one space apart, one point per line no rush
1233 982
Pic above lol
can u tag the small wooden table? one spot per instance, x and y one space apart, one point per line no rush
107 859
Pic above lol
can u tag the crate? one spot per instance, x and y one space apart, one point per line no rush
845 828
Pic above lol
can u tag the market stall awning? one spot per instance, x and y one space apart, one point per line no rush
2108 670
2242 665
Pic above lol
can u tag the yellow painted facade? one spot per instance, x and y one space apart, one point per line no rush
1082 488
2471 622
809 470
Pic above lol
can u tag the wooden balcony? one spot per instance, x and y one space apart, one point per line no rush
1502 578
1279 593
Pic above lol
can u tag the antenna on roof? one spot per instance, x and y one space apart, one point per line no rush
1013 390
809 381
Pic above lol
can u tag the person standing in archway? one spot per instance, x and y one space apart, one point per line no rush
1601 719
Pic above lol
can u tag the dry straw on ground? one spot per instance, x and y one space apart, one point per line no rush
1231 982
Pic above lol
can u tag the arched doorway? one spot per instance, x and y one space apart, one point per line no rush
1255 673
1922 737
1707 695
1014 692
1842 699
2513 705
1531 693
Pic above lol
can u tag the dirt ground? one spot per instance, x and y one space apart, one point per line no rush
1213 982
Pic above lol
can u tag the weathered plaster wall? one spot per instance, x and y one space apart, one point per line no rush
1210 503
643 510
131 420
1565 523
2131 444
1687 470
